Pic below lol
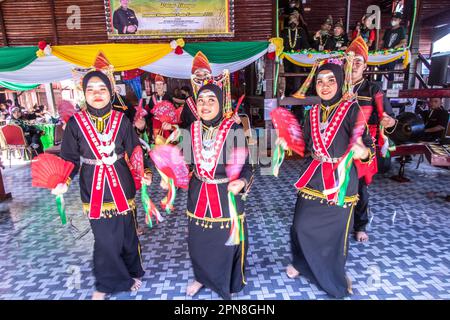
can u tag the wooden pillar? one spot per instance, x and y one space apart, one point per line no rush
2 27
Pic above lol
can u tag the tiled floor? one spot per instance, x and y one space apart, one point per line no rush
407 257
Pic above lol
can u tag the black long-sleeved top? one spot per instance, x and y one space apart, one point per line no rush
187 117
366 92
123 18
337 149
300 43
75 145
235 138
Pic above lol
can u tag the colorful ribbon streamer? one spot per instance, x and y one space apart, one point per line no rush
60 204
277 159
236 230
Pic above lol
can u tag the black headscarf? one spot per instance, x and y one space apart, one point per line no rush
339 75
219 94
98 112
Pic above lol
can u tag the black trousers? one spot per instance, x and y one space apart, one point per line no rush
361 218
117 253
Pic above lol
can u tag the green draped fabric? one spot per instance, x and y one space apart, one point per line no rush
226 52
15 58
18 86
48 139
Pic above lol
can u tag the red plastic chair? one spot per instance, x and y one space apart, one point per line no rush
14 141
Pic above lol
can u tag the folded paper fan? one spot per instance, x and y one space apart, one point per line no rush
48 170
288 128
165 111
169 161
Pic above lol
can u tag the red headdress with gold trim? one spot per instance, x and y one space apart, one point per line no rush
359 47
200 62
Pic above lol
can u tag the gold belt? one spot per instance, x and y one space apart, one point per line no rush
311 194
207 222
211 181
109 209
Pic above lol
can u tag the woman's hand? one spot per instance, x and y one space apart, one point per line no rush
166 126
236 118
147 179
164 185
236 186
387 121
60 189
140 124
360 151
282 142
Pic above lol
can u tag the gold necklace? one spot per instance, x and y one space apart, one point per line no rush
100 121
326 111
292 46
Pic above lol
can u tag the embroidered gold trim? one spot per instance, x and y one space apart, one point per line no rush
109 209
207 222
312 194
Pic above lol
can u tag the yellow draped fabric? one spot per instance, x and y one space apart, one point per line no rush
121 56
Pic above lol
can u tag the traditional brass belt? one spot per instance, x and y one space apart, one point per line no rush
325 159
211 181
95 162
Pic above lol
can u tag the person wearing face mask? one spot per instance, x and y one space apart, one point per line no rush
294 38
98 140
365 92
393 38
217 264
319 233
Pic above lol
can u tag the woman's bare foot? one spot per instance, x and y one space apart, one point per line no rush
97 295
291 272
137 284
361 236
193 288
349 285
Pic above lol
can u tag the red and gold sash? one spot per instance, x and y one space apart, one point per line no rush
209 193
321 146
192 106
100 171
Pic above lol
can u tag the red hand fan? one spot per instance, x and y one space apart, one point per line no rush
288 129
165 111
168 160
236 162
66 110
48 170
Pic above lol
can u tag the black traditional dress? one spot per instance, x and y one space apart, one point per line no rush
216 265
107 192
319 233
